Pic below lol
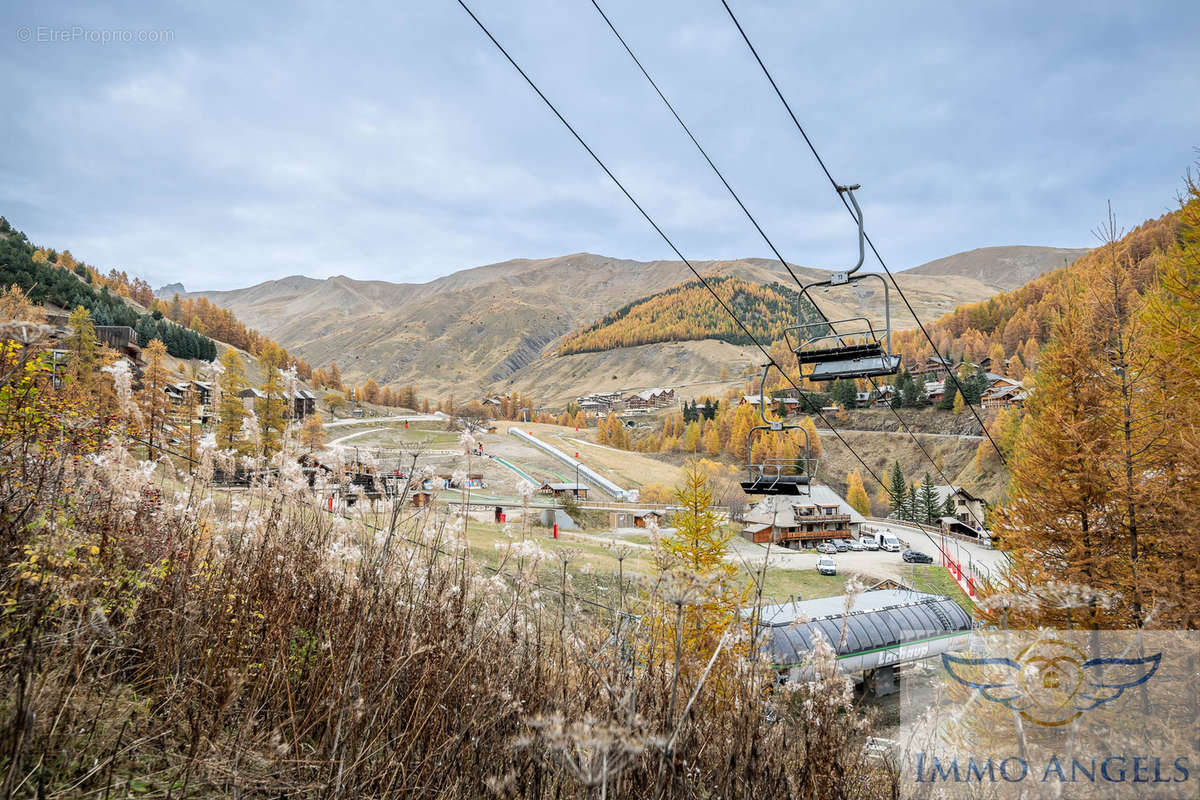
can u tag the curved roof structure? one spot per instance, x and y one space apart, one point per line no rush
885 626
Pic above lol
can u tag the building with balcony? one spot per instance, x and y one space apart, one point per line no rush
802 521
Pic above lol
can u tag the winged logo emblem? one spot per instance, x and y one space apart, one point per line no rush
1051 682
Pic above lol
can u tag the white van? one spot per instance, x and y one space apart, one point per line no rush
889 543
869 541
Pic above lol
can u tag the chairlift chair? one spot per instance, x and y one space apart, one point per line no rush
776 476
825 354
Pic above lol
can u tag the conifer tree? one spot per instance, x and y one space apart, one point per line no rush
912 504
272 407
82 347
711 438
949 509
1057 494
699 542
856 493
312 434
928 505
814 438
152 398
897 491
231 411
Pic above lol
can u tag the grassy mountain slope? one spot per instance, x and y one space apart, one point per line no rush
1002 267
689 312
482 328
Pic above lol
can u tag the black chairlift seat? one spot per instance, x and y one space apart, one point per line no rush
835 353
776 485
856 353
861 367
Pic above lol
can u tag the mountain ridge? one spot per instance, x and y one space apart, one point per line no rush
465 332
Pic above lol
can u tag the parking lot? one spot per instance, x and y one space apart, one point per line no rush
878 564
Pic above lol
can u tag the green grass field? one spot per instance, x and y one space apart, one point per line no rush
593 566
936 580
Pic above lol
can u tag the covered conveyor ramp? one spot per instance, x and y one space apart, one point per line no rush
884 628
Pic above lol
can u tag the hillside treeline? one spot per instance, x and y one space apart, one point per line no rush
1012 326
1104 498
59 280
50 276
689 312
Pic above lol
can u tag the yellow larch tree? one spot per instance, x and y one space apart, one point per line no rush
152 397
856 493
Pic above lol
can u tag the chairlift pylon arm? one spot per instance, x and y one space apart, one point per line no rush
838 278
772 424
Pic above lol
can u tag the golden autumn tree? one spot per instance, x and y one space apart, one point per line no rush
82 348
856 493
1049 525
271 408
814 438
711 438
152 397
697 601
1101 483
231 411
312 433
16 305
1170 323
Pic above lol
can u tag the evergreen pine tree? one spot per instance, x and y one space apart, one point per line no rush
949 509
929 506
897 491
912 504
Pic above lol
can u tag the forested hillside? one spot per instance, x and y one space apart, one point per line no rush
48 278
1101 513
689 312
1015 325
186 326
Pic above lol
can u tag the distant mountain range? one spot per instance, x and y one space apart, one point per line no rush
497 326
1003 267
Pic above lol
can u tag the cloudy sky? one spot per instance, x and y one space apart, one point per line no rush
222 144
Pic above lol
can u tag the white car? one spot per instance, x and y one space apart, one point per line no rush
869 541
856 545
826 566
827 548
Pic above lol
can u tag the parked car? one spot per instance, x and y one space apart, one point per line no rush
826 565
856 545
916 557
869 541
826 547
889 543
841 544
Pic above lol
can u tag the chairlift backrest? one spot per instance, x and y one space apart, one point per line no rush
826 354
776 476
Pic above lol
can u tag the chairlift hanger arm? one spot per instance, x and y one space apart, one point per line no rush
838 278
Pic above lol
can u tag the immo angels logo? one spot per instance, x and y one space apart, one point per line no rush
1051 682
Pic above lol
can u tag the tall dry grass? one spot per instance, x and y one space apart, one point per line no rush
163 637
